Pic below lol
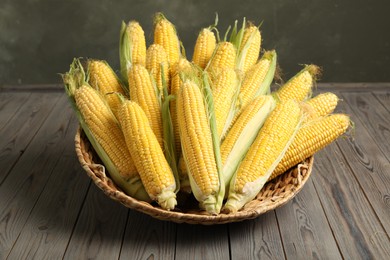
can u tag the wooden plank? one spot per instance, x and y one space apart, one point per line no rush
26 122
384 98
369 164
32 87
356 228
353 86
10 103
375 117
256 239
20 191
99 230
304 229
48 229
202 242
148 238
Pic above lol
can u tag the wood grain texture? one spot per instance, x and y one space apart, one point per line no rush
48 229
256 239
384 98
369 164
10 103
202 242
20 191
356 228
148 238
27 121
99 230
375 117
304 229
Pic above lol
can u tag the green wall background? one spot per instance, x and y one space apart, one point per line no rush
349 39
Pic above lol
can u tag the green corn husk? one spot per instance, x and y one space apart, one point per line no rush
74 79
236 200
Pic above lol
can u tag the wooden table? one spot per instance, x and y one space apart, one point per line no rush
49 209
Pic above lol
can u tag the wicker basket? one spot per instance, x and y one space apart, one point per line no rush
274 194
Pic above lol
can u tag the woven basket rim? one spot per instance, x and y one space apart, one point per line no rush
273 195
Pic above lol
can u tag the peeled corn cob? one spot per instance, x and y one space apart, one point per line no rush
132 46
144 93
204 47
198 150
103 131
224 57
183 66
300 86
166 36
156 63
243 133
224 88
258 79
249 48
323 104
311 138
104 79
264 154
156 175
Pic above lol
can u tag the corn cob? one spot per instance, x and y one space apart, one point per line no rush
132 46
311 138
204 48
198 150
178 70
104 79
224 57
264 154
249 48
243 132
143 92
258 79
157 63
323 104
156 175
166 36
103 131
300 86
224 86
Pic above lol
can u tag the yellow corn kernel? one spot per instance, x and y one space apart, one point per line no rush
137 42
323 104
104 79
149 159
253 79
252 42
242 120
182 66
224 86
224 57
197 146
143 92
156 57
204 48
264 154
166 36
105 129
300 86
311 138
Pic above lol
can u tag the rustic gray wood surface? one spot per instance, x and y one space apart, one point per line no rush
50 209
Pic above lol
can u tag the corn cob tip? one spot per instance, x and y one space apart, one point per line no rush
167 199
314 70
234 203
210 205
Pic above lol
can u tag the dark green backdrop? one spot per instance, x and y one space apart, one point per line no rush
350 39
